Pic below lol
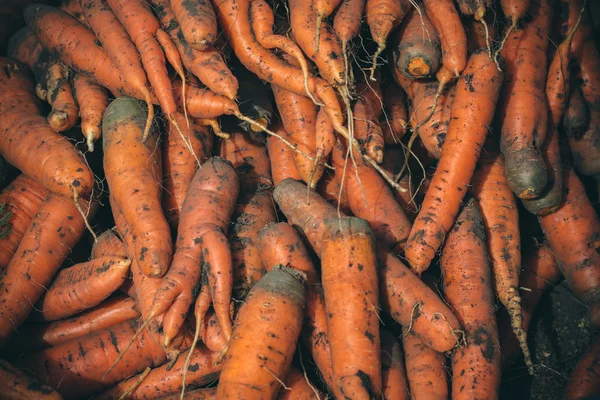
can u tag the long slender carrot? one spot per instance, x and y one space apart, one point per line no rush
467 281
19 384
393 373
257 343
128 163
282 157
93 100
55 163
198 22
20 201
472 111
425 369
202 103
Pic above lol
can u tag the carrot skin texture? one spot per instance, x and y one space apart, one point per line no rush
348 243
129 163
22 385
55 164
198 22
366 113
108 244
282 157
93 100
425 369
347 20
55 229
472 111
80 378
276 300
584 382
60 96
383 16
467 277
195 394
22 198
396 115
300 388
577 115
393 374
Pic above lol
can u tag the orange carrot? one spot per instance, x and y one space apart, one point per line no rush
60 96
55 163
202 103
128 163
55 229
425 369
366 113
322 9
346 24
395 117
24 47
22 385
108 244
467 281
298 387
282 157
72 7
393 162
584 382
393 373
258 344
198 22
514 10
93 100
331 189
182 154
577 115
524 110
472 111
213 336
20 201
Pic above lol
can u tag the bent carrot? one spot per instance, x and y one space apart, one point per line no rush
257 343
393 374
134 184
55 229
93 100
202 103
467 275
55 163
19 384
60 96
282 157
474 105
198 22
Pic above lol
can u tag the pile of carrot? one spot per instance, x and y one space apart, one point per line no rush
234 199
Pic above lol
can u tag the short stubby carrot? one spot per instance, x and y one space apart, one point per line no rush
468 289
20 201
129 165
472 111
60 96
20 384
55 229
349 265
393 374
55 163
93 100
258 344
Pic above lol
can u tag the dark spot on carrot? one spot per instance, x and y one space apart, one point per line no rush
370 336
114 340
482 338
194 367
143 251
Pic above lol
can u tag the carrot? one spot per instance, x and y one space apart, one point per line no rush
393 373
213 336
257 343
202 103
68 367
366 113
570 10
108 244
392 164
196 394
382 17
575 251
472 111
22 385
72 7
478 9
348 243
282 157
134 184
331 189
425 368
480 33
201 241
93 100
182 154
395 117
498 208
476 366
323 9
577 115
60 96
24 47
202 370
346 24
111 312
55 163
539 273
234 19
584 382
76 47
198 22
417 48
55 229
298 387
20 201
514 10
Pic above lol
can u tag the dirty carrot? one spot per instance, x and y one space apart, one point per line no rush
93 100
20 384
60 96
198 22
393 374
282 157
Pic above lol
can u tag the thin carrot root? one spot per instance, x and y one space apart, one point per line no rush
83 214
318 32
136 384
150 117
186 141
499 49
214 124
487 41
380 49
197 334
516 320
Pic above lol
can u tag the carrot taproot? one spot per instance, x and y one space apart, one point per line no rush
19 384
281 156
348 264
76 48
34 337
500 215
128 163
480 33
478 9
584 382
577 115
298 387
54 230
346 24
277 299
233 17
203 370
575 252
382 17
55 163
425 368
60 96
198 22
93 100
83 286
66 366
366 113
417 48
393 373
20 201
472 111
201 250
182 154
468 289
395 117
568 15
